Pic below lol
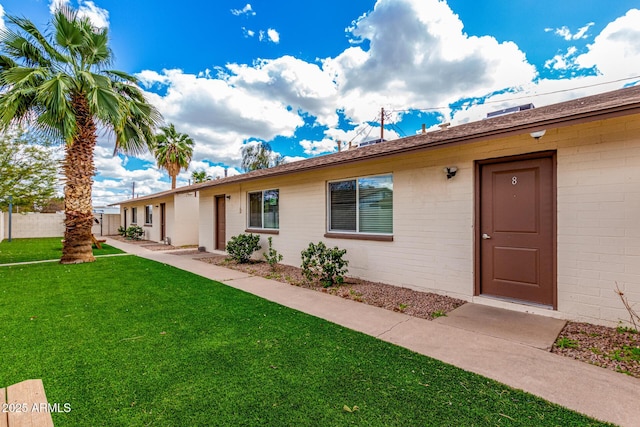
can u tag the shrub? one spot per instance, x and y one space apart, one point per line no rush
241 247
134 232
324 264
272 256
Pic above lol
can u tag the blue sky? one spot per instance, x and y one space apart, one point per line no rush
303 76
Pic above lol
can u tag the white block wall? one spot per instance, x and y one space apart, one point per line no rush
31 224
598 217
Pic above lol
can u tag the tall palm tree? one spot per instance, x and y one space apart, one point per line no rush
173 151
58 83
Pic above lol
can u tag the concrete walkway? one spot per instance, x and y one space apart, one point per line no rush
597 392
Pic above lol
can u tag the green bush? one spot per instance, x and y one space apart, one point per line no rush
272 256
134 232
241 247
122 231
324 264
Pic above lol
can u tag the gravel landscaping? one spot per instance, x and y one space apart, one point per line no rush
617 349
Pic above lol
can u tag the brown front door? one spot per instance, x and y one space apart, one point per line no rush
221 239
163 221
517 230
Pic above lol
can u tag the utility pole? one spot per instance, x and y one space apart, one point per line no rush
133 189
381 124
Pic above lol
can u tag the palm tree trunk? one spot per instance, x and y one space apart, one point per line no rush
78 171
173 182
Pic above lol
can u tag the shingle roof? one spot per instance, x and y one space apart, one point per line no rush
605 105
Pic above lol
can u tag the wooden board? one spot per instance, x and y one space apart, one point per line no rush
28 394
3 415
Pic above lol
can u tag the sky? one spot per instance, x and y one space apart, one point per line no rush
302 76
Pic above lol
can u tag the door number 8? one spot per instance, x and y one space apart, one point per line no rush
514 180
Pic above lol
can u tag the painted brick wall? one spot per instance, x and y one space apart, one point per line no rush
599 220
598 217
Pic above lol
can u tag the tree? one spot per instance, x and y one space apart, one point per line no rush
58 84
173 151
28 171
259 156
199 176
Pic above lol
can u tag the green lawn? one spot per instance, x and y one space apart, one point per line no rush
129 342
22 250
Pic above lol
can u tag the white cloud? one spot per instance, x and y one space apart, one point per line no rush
563 61
219 115
429 61
247 10
273 35
99 17
269 35
566 33
615 52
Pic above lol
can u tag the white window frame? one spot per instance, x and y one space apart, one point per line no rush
262 227
357 231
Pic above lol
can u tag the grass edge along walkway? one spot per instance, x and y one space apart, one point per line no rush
128 341
41 249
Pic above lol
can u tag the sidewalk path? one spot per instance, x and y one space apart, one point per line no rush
597 392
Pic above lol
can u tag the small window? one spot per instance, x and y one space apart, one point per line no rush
264 209
148 214
362 205
134 215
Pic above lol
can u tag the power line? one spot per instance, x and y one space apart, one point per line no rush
533 95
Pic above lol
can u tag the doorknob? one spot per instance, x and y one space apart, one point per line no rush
485 236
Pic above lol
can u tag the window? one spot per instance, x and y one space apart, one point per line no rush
264 209
362 205
134 215
148 214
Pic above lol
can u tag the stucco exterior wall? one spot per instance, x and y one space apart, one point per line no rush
151 231
181 218
108 226
183 229
598 217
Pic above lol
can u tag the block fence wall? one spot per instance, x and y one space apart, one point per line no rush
26 225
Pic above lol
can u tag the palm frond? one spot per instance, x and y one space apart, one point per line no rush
52 54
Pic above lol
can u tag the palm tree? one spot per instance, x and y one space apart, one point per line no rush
173 151
200 176
58 84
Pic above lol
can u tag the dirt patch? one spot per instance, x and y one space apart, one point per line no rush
612 348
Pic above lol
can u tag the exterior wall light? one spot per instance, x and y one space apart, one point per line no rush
450 171
538 134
